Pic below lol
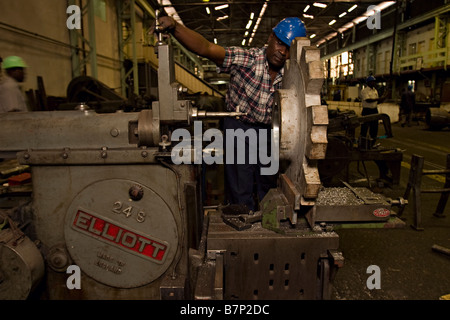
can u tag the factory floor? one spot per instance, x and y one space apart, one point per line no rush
408 267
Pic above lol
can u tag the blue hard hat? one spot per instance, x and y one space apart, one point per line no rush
288 29
370 78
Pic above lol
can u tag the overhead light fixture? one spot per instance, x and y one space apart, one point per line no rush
319 5
252 15
243 42
249 24
261 14
224 6
207 10
357 20
342 14
384 5
215 40
312 36
308 16
306 8
171 10
352 8
222 18
332 22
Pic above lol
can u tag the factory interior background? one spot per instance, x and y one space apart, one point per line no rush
103 58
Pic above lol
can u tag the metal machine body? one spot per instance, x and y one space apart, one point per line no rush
107 198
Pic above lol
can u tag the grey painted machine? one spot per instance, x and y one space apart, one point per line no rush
108 199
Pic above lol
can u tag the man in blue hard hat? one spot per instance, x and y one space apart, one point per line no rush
11 96
255 75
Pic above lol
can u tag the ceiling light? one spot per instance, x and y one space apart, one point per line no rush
261 13
308 16
312 36
224 6
320 5
222 18
249 24
352 8
385 4
332 22
342 14
215 40
207 10
243 42
359 19
252 15
306 8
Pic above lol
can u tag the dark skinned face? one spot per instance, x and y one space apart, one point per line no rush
277 52
17 73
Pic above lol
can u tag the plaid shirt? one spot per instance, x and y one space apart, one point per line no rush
250 90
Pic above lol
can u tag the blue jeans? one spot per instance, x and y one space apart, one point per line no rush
244 183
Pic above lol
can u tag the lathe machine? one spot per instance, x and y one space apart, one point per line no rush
107 198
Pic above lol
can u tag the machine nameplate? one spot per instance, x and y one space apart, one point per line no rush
120 236
381 212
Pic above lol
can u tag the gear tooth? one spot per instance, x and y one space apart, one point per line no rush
297 48
312 71
311 54
316 144
319 115
310 181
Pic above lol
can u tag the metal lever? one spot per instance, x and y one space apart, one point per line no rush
195 113
158 29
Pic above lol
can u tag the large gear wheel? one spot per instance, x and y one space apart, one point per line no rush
301 122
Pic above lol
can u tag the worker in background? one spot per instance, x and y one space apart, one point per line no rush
407 104
370 100
256 73
11 96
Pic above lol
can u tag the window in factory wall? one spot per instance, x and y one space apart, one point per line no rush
347 64
325 69
341 65
334 65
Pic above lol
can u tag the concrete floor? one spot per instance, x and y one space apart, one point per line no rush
409 268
